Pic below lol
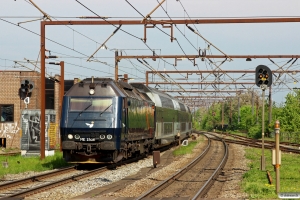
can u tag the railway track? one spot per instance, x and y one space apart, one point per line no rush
292 144
40 183
4 188
200 173
284 146
27 187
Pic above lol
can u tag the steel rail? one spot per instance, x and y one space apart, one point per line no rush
56 183
258 140
256 144
210 181
70 179
166 182
35 178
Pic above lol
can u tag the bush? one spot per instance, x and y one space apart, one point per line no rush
255 132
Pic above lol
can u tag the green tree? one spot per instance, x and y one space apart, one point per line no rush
290 115
247 119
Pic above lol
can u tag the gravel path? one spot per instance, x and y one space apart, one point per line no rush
228 184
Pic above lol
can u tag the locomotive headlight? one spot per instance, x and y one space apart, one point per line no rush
70 136
77 136
109 136
102 137
92 91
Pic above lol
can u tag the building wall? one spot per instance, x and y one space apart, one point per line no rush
10 88
31 123
10 84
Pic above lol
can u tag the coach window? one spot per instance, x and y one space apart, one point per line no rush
7 113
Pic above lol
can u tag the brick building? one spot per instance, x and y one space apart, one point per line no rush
12 104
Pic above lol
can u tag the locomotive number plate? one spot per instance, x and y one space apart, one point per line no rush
87 139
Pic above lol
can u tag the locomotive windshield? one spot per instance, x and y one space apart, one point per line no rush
91 104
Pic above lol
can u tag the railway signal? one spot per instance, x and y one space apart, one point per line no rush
263 79
263 76
26 88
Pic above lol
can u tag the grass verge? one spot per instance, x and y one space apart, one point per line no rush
18 164
182 150
255 182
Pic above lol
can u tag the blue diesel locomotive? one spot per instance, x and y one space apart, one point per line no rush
106 121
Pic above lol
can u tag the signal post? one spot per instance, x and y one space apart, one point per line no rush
263 79
277 156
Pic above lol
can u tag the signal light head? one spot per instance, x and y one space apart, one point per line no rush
26 86
263 76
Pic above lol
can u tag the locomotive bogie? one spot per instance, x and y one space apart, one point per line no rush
97 157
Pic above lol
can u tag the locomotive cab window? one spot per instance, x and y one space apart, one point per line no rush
91 104
7 113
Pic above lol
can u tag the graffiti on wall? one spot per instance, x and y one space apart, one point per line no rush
31 129
7 130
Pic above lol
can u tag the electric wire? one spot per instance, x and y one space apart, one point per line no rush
68 26
53 41
45 37
180 2
96 69
114 25
166 34
109 22
178 41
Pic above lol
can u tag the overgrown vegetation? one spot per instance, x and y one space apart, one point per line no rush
18 164
255 182
250 118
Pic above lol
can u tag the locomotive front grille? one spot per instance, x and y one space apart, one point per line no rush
89 148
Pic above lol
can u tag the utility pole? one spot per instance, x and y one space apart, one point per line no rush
239 109
257 104
116 66
270 105
262 167
222 116
230 113
62 87
252 102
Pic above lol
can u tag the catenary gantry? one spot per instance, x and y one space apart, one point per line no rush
147 24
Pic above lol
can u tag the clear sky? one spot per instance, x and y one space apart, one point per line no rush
74 44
